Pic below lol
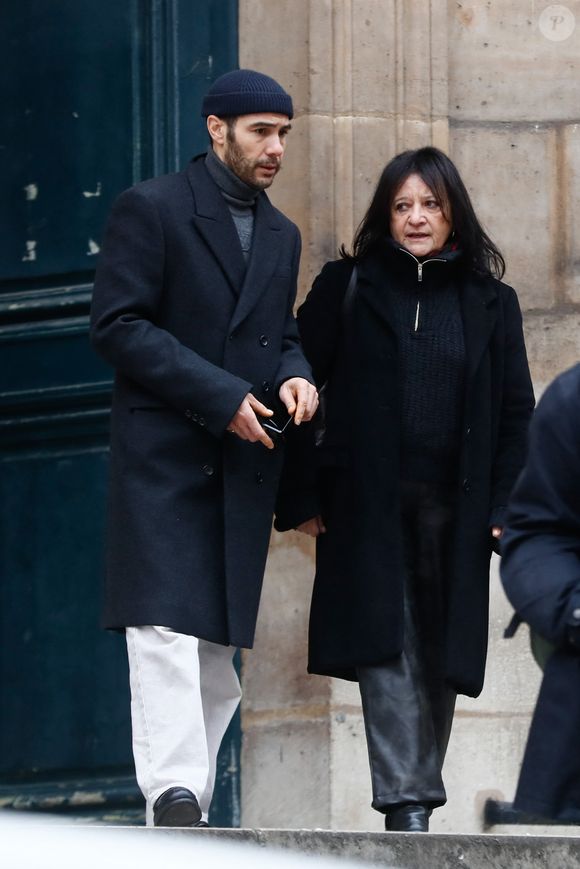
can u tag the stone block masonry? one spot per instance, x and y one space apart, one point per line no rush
496 85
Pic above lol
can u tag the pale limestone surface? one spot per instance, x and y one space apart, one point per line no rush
374 35
351 793
286 775
501 67
553 343
273 38
511 177
567 228
371 78
282 681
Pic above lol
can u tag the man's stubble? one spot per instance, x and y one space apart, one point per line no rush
245 169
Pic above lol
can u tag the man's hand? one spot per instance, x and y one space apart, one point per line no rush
496 532
300 398
246 425
312 527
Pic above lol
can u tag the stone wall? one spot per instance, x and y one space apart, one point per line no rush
514 120
493 84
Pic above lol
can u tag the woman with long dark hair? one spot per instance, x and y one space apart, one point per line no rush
419 347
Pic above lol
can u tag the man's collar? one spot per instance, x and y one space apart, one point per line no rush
228 182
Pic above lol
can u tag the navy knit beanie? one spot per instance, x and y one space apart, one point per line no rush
246 92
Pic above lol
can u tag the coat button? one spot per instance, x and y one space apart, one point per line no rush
208 470
468 431
259 477
264 340
188 414
231 336
201 420
466 485
266 386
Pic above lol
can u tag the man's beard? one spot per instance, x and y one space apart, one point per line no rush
246 169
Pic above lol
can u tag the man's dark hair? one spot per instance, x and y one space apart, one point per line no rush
441 176
230 122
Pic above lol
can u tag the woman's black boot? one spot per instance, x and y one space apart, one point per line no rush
408 818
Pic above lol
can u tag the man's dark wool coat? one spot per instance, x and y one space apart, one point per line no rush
357 605
190 333
541 576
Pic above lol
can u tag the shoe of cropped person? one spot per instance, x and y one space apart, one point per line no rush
176 807
408 818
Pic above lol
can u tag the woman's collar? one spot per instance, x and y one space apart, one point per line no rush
451 252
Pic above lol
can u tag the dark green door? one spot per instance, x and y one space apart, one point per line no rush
96 95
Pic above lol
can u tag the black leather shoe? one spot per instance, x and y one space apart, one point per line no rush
201 824
177 807
408 818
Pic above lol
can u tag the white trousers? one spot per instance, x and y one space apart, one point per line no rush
184 692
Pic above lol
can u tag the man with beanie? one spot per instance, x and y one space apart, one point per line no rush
193 308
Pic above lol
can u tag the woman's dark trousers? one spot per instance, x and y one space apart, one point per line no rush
407 706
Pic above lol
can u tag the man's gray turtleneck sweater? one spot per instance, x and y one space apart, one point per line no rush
240 198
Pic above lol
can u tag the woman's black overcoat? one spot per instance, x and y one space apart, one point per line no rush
357 604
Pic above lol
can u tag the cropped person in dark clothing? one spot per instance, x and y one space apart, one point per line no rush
427 401
541 577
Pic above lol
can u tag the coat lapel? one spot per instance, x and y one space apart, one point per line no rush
214 223
478 299
266 247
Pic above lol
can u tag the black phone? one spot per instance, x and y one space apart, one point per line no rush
274 428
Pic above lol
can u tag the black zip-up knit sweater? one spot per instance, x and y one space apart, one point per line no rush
427 321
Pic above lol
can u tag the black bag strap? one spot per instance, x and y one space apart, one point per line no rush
347 304
349 295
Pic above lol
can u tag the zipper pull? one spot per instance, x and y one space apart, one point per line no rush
417 315
420 272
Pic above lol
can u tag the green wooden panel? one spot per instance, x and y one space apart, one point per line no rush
207 46
62 679
98 94
66 130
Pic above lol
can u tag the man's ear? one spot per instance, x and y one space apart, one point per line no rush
217 129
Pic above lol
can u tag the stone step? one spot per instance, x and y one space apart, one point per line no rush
410 850
36 839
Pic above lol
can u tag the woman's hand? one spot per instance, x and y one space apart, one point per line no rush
496 531
312 527
300 398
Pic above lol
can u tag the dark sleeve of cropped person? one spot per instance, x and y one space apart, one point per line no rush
541 542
